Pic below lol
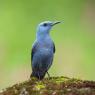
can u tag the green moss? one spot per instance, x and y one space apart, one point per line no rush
39 85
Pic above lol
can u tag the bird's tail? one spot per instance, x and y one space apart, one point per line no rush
38 75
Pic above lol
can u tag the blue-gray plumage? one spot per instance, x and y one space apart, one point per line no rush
43 50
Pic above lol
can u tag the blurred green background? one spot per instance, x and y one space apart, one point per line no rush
74 39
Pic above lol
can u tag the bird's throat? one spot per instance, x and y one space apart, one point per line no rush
42 36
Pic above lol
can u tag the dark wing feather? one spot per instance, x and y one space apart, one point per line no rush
54 48
34 48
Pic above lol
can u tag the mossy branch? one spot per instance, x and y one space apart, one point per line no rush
52 86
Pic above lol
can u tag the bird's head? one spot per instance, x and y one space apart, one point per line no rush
46 26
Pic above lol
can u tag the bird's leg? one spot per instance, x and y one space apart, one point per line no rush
38 76
48 75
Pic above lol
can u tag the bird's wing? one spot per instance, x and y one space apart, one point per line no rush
54 48
34 48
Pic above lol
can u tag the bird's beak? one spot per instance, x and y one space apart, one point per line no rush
57 22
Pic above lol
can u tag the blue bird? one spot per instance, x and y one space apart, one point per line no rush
43 50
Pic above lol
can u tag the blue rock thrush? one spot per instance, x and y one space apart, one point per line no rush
43 50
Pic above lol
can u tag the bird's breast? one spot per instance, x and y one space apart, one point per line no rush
46 44
43 54
45 51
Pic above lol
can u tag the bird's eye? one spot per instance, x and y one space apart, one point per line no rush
45 24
